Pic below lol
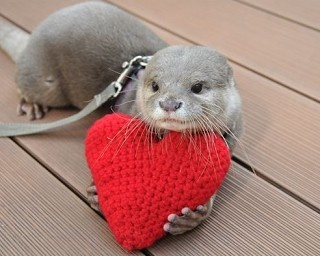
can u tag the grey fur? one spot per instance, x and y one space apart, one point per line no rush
77 51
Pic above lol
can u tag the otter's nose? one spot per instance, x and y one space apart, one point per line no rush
170 105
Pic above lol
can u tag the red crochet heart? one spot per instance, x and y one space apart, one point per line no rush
141 180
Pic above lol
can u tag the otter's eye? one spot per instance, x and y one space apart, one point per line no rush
155 86
197 88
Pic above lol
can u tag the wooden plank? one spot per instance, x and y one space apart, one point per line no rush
40 216
301 11
271 46
273 115
250 217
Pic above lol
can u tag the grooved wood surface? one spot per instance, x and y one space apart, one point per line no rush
40 216
251 217
280 138
269 45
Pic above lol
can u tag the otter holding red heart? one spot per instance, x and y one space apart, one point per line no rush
77 51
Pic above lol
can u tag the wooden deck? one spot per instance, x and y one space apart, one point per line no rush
274 48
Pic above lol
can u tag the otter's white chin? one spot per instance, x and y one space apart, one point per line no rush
172 125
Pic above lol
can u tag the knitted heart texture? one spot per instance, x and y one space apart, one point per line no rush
141 179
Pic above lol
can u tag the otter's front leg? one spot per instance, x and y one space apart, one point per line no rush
92 197
189 220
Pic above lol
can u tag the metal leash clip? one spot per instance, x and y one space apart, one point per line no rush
129 68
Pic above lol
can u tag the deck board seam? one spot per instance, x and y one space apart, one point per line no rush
14 23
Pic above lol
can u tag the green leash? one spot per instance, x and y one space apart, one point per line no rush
111 92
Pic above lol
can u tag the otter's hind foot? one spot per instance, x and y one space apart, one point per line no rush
33 111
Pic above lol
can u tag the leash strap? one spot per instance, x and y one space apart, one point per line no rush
112 91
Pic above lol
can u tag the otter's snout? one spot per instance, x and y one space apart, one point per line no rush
170 105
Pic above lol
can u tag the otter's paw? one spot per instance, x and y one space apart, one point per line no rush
189 220
92 197
32 110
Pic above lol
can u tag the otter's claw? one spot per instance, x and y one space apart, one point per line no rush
32 110
189 220
93 197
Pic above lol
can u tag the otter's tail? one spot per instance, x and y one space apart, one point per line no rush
13 40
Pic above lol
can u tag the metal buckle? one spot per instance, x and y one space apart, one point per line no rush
129 68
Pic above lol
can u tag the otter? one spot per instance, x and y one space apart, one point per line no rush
79 50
